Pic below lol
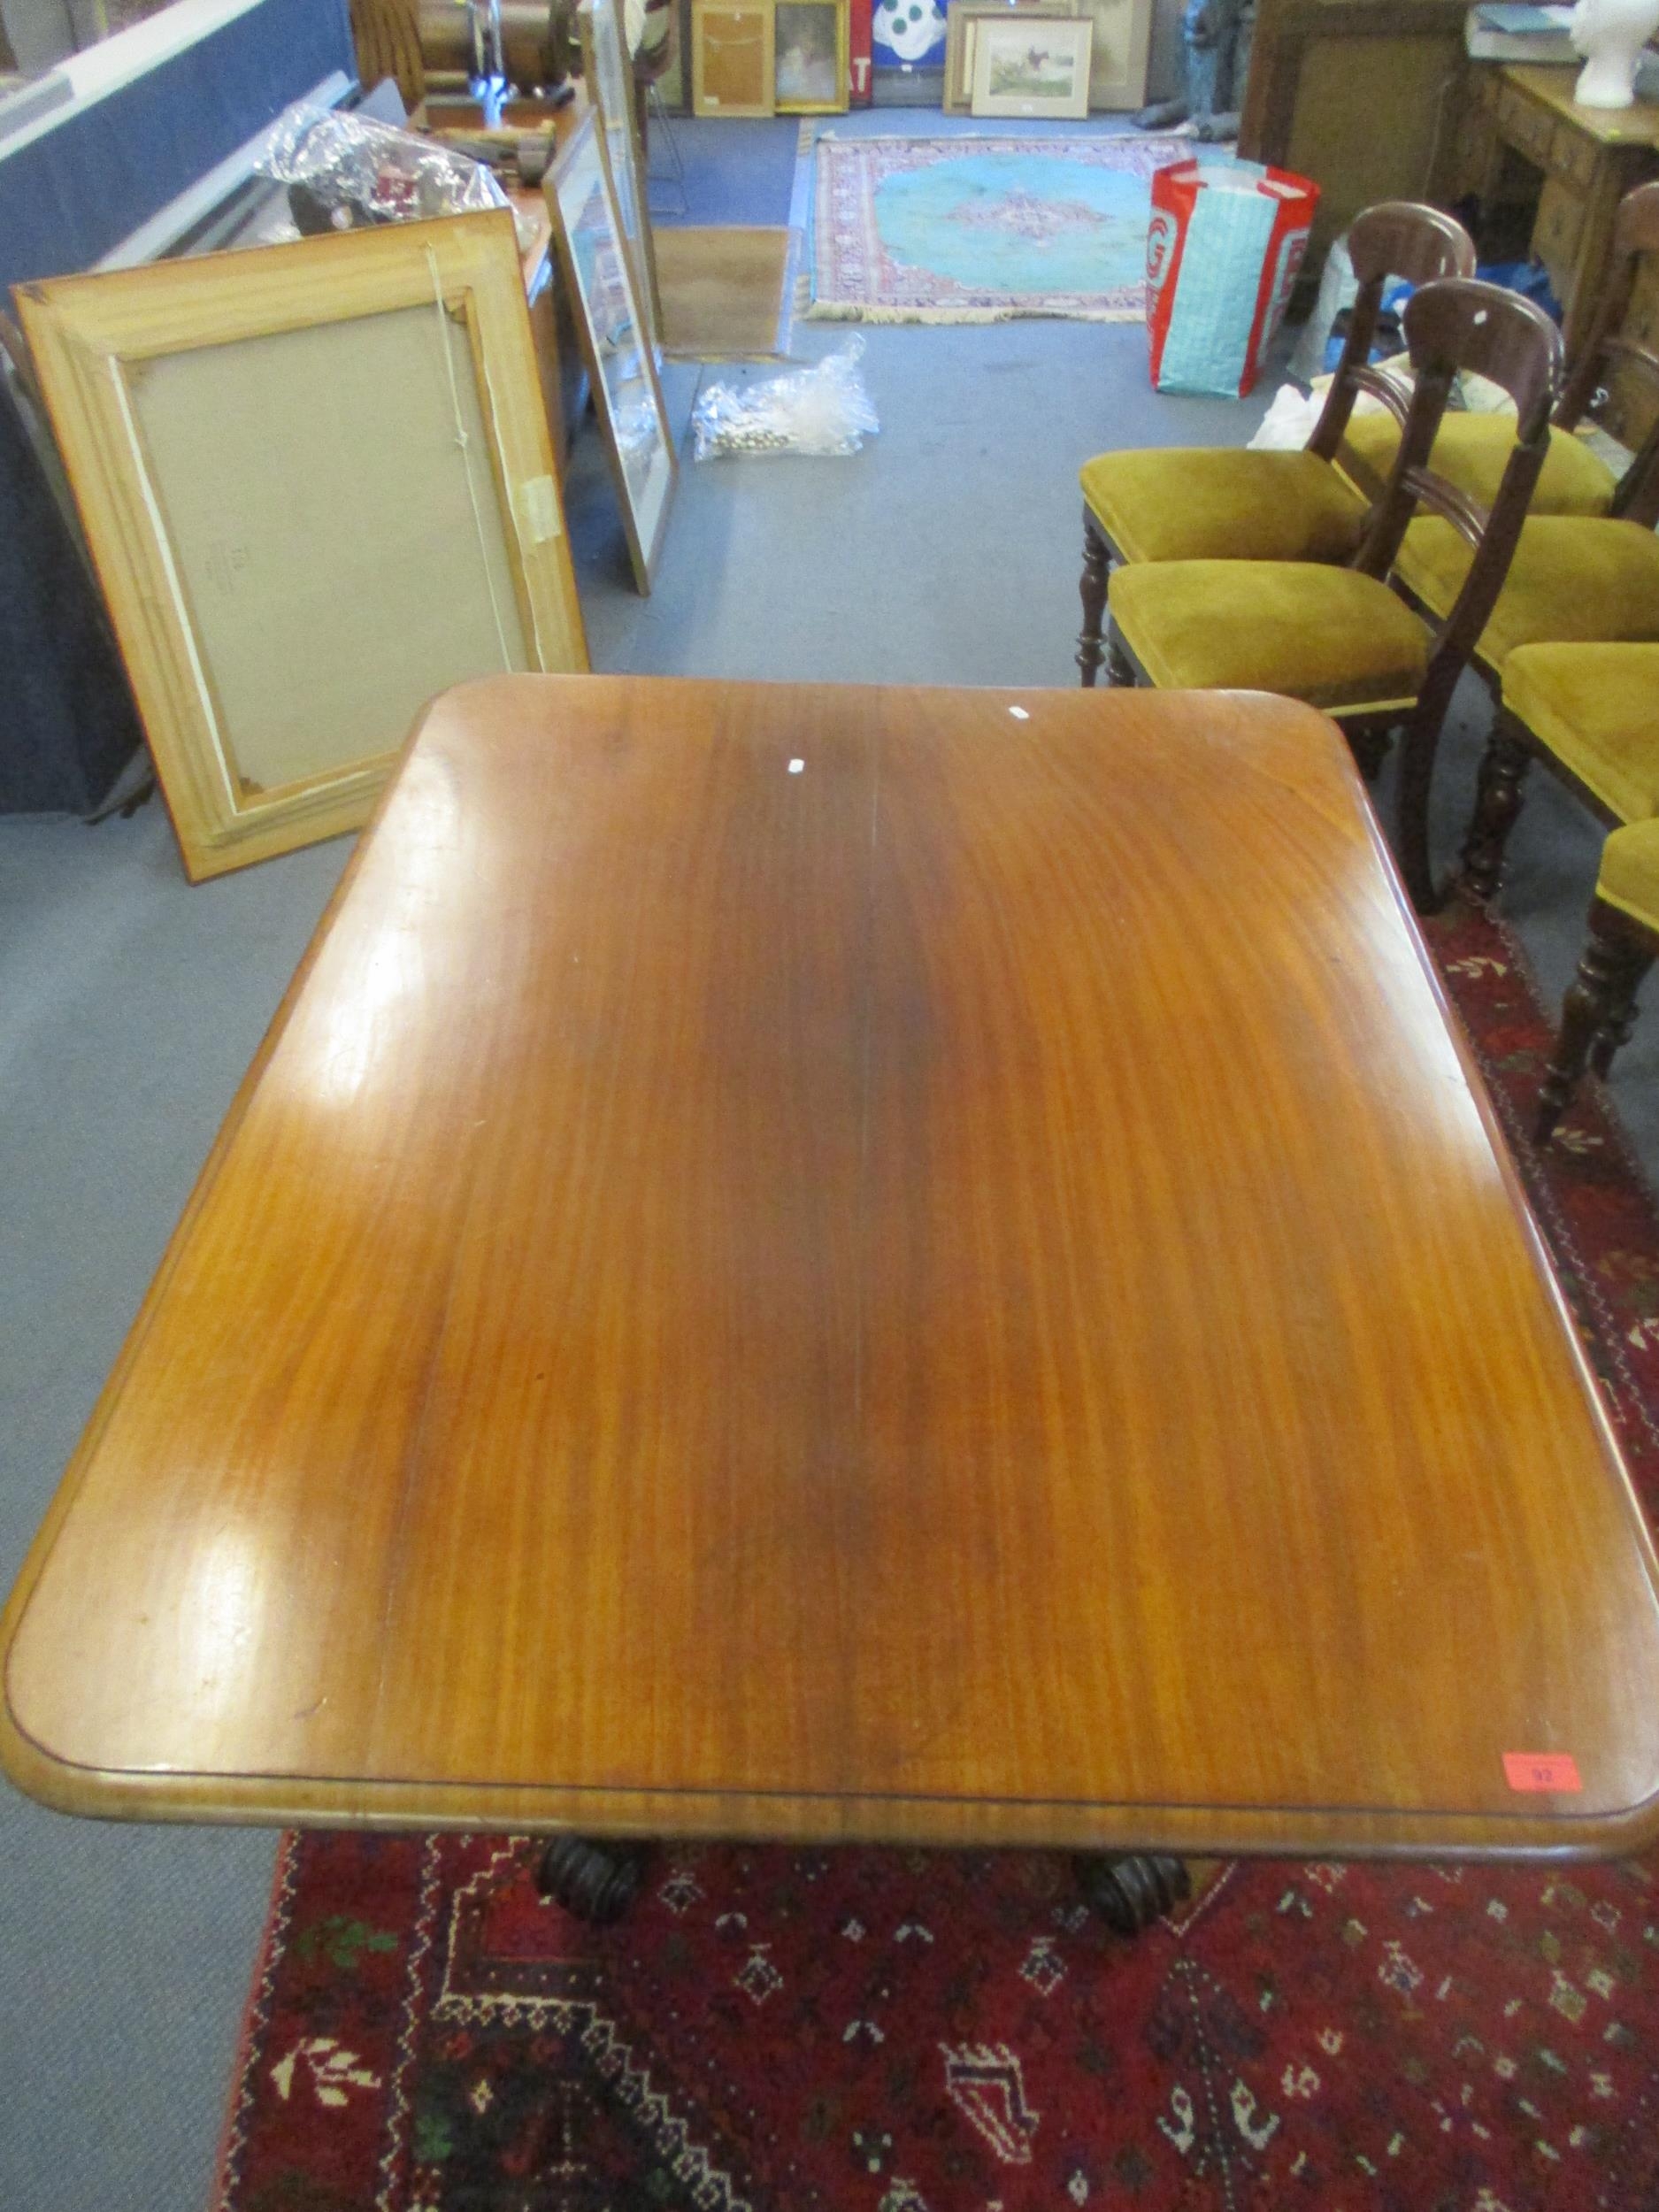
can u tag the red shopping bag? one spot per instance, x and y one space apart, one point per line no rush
1223 247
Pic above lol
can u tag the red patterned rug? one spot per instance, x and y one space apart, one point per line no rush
895 2032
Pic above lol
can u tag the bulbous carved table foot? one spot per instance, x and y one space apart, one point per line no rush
1132 1891
597 1882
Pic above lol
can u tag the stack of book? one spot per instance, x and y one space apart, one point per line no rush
1514 30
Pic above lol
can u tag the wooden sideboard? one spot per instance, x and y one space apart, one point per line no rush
1523 140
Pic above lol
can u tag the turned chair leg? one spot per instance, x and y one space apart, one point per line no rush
1597 1014
1498 794
1092 591
1120 670
1612 1037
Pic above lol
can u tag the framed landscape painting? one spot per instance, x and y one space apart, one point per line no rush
1026 67
963 19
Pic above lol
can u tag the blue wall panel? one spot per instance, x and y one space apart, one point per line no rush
72 193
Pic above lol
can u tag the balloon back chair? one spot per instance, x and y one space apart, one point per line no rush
1340 638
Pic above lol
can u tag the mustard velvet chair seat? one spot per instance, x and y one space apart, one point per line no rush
1629 876
1591 714
1222 502
1600 1008
1470 451
1595 708
1570 578
1330 636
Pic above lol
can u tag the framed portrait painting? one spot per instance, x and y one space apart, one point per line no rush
810 39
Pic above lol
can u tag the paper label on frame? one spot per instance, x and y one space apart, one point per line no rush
539 508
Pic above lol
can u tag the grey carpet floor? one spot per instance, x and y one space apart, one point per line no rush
130 1004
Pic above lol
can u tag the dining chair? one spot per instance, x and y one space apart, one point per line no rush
1227 503
1599 1011
1340 638
1591 714
1573 578
1472 447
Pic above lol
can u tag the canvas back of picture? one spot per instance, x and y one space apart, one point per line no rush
1118 52
318 483
348 562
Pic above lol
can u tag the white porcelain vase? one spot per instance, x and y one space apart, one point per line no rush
1611 35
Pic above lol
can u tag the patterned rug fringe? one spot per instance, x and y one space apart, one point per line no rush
856 312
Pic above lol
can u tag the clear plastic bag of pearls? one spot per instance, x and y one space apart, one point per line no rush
822 409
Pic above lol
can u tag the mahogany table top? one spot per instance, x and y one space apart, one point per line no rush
835 1263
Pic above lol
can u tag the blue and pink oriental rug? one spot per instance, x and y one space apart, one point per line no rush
965 229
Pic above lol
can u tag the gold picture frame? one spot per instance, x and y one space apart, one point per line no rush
811 65
732 65
961 22
610 323
317 482
1020 70
610 80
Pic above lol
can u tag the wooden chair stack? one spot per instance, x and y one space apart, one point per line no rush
1574 578
1471 449
1337 636
1222 502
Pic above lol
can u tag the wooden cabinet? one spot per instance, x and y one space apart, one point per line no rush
1478 151
1378 102
1556 233
1524 125
1360 96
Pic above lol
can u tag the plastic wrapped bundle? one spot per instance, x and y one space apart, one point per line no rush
344 172
825 410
